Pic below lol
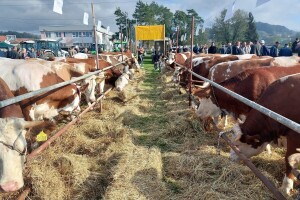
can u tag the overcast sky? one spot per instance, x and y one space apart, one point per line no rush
28 15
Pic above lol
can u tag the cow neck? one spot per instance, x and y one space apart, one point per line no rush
214 96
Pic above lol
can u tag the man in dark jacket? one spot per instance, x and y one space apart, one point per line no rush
212 49
274 52
285 51
264 51
14 53
236 49
294 45
255 48
156 60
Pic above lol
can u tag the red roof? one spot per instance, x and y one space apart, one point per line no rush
2 38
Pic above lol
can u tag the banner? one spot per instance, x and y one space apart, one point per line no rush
260 2
107 29
85 18
156 32
100 38
229 12
57 6
99 25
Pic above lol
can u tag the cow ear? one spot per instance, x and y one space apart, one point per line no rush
83 87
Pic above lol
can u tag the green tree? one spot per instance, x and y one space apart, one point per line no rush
251 33
122 20
231 30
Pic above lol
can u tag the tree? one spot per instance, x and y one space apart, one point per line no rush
251 33
231 30
121 20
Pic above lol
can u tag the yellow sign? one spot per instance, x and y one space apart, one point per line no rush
41 137
156 32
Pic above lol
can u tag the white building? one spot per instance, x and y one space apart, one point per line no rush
75 35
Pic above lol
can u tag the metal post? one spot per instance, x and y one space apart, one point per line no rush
129 37
95 35
191 63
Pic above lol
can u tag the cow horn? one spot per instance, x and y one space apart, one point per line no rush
30 124
205 85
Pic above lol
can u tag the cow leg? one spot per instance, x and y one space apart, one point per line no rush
293 141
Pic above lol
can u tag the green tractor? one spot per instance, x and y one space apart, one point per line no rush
118 45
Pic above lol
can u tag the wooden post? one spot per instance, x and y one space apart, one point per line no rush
191 63
121 42
95 35
164 39
177 38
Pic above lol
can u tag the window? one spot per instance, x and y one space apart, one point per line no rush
48 35
84 34
75 34
57 34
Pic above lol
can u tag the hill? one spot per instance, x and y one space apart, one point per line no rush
271 33
20 35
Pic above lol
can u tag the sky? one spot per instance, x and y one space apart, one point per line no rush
28 15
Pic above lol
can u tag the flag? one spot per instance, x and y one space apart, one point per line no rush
260 2
107 29
57 6
229 12
185 36
197 30
85 18
99 25
203 29
182 38
100 38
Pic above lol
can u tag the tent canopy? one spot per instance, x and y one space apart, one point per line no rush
5 45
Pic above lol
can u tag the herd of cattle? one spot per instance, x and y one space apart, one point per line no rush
271 82
38 113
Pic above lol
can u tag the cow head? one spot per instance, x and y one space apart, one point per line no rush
13 148
122 81
207 107
89 92
249 145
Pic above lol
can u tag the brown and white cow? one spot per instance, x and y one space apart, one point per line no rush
258 130
23 76
12 142
249 84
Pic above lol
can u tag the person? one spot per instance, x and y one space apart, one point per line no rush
274 52
14 53
236 49
223 49
229 48
264 51
247 48
196 49
24 54
8 55
255 48
185 48
32 53
141 56
156 60
205 49
85 50
212 49
294 45
72 51
285 51
152 53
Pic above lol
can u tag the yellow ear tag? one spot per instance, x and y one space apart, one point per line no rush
41 137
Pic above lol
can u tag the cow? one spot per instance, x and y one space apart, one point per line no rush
249 84
23 76
13 144
258 130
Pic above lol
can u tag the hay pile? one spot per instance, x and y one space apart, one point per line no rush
147 144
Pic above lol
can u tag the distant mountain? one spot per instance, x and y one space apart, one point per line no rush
271 33
20 35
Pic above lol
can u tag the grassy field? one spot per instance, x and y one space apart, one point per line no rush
146 144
